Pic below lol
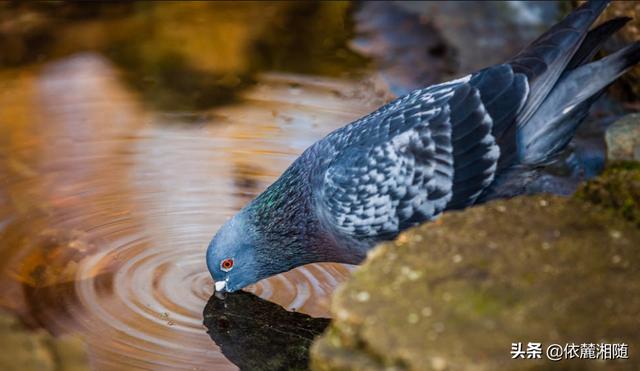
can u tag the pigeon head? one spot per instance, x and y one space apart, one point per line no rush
274 233
231 256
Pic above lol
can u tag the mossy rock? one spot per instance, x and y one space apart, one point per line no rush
617 190
24 350
456 293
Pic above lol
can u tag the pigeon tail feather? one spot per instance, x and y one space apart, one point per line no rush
547 57
595 39
555 122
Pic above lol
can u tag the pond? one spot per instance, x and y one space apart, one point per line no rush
119 161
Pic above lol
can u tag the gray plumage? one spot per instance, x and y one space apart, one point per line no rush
444 147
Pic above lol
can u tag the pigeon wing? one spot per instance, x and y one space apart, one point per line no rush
431 150
373 191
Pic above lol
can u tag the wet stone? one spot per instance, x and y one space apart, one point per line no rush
528 269
623 139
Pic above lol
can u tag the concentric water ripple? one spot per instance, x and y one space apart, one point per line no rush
112 241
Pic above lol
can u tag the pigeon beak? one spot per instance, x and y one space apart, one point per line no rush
221 286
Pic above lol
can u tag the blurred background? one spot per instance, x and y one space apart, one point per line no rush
129 132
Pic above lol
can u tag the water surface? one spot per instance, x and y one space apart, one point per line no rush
124 147
107 208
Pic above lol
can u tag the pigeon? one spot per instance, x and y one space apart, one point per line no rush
444 147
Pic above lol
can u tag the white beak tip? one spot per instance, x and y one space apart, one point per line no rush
220 285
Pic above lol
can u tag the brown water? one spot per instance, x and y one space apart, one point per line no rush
107 208
111 189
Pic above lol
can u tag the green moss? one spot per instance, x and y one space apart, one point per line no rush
617 190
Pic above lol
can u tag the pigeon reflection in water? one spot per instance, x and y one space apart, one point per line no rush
256 334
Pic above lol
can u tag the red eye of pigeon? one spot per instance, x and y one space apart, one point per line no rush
226 265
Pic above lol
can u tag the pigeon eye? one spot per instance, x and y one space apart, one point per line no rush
226 265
